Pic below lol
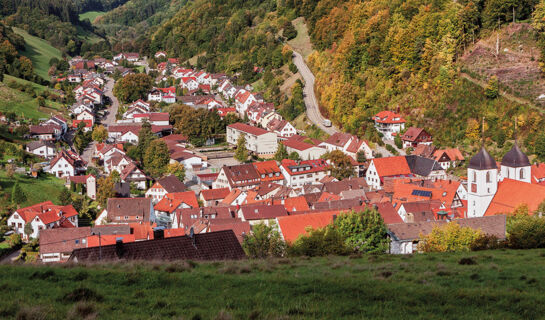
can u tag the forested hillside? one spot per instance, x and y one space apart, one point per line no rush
10 61
402 55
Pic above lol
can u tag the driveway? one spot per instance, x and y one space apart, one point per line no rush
313 111
10 257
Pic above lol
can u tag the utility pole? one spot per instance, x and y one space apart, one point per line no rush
99 247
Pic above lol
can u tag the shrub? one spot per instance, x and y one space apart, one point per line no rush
448 238
525 232
363 231
264 242
485 242
320 242
82 294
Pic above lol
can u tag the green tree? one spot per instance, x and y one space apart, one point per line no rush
145 137
289 31
156 158
28 229
100 134
18 196
281 152
540 146
114 175
364 231
264 242
241 154
398 142
177 169
65 197
319 242
361 157
294 156
492 90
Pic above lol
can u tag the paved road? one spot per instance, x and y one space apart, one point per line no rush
10 257
313 111
112 110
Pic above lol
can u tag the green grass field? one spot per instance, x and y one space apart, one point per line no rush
490 285
44 188
91 15
302 42
22 103
39 51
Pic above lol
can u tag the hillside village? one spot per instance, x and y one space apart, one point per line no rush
260 170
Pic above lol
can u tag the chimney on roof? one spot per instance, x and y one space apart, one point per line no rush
119 249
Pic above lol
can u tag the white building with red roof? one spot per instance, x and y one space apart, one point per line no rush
67 163
300 173
348 144
305 150
243 99
389 124
282 128
155 118
42 216
260 141
189 83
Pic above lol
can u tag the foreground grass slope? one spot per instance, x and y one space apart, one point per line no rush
39 52
477 285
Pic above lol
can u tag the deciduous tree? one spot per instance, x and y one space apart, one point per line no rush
364 231
241 154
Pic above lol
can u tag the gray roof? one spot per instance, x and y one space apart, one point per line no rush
33 145
492 225
482 161
515 158
422 166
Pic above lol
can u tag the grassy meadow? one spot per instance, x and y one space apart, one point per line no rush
475 285
91 15
44 188
22 103
39 52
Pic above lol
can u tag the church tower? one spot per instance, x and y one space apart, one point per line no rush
515 165
482 175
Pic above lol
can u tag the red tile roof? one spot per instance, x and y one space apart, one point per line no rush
388 117
307 166
538 172
215 194
263 212
392 166
295 226
105 240
513 193
453 154
267 168
88 123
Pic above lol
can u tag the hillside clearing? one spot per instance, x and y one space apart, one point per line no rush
301 43
516 65
488 285
91 15
22 103
39 52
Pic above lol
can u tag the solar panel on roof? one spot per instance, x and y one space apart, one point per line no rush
421 193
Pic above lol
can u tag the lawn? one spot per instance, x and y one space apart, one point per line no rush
91 15
24 104
45 188
39 51
477 285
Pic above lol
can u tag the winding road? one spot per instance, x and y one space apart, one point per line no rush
313 111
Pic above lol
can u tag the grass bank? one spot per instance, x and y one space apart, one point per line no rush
478 285
24 104
91 15
46 187
39 52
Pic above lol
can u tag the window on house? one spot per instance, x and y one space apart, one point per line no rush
474 176
522 173
488 177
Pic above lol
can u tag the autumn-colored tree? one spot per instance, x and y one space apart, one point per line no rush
241 154
177 169
492 90
341 166
105 190
156 158
133 87
449 237
100 134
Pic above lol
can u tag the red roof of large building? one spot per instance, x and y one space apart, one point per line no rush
47 212
215 194
538 172
248 129
292 227
268 171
